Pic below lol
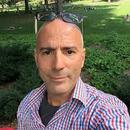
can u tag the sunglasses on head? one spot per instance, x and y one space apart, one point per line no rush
66 17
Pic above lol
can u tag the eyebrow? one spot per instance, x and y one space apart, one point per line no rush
46 48
52 49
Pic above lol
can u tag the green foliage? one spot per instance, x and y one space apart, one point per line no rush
17 64
11 56
102 66
122 89
106 62
120 46
3 2
9 101
29 78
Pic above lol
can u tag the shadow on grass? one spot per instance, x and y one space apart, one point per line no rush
98 21
102 20
14 23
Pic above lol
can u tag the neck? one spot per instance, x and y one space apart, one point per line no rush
57 100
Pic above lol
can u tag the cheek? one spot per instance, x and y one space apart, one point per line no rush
43 65
79 61
76 64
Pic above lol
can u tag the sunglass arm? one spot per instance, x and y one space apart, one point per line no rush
35 25
82 27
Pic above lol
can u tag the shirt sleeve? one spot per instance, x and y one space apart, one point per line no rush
114 119
110 114
20 123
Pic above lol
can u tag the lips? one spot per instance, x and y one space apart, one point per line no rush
58 78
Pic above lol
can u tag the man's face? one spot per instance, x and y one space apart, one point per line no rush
59 57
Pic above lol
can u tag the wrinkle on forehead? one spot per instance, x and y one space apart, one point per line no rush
58 28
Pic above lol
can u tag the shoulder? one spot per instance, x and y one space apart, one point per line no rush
34 97
107 110
104 99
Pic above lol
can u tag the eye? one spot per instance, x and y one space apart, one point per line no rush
46 52
69 52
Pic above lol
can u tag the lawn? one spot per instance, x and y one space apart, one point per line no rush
107 43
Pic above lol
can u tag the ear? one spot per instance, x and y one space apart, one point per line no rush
83 57
35 56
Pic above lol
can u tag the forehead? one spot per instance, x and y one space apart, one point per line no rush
58 32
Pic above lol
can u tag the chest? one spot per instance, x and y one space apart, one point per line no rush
66 118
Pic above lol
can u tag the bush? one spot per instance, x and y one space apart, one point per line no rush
120 46
28 79
103 67
122 89
11 57
17 63
9 101
106 62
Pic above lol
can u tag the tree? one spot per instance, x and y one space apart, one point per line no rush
46 2
26 6
2 3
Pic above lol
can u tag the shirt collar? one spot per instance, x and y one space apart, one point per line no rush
83 92
79 91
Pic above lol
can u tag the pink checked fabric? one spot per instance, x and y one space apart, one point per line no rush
88 109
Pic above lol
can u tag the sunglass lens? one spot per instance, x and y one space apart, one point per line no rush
52 16
66 18
47 17
72 18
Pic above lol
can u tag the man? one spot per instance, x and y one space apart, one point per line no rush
64 102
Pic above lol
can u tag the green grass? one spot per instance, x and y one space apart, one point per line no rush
106 17
23 23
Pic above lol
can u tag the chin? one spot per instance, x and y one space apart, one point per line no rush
59 88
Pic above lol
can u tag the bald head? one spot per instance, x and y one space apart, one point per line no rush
59 28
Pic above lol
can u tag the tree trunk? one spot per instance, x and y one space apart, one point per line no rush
26 6
59 5
2 6
46 2
109 1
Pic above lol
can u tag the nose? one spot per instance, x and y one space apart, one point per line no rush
59 62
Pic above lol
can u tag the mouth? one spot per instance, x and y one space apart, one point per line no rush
58 78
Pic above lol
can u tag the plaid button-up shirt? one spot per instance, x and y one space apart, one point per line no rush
88 109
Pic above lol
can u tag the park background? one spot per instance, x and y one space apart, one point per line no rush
106 39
